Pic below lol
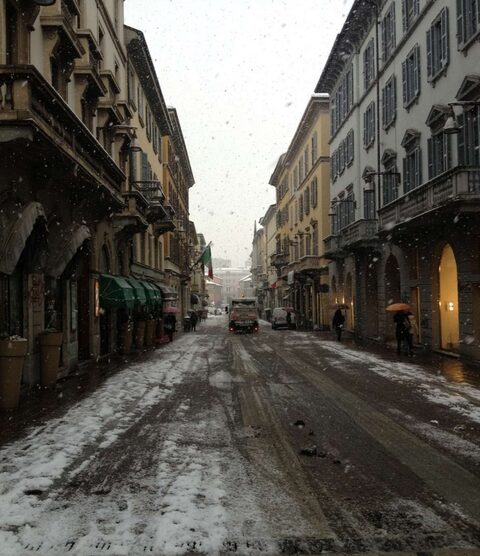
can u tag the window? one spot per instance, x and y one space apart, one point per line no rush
411 76
410 10
301 170
295 177
349 155
306 162
314 148
314 193
369 126
390 178
439 154
342 100
306 201
437 46
341 157
296 212
369 204
469 137
389 102
388 33
300 208
468 16
412 163
315 241
369 64
308 244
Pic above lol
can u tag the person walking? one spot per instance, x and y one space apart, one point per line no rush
411 328
193 320
169 325
402 326
338 323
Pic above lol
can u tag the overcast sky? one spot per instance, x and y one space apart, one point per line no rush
240 73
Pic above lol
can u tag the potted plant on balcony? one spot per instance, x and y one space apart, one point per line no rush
50 341
13 350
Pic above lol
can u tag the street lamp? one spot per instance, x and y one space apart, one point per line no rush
451 126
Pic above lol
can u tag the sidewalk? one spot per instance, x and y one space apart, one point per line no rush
39 404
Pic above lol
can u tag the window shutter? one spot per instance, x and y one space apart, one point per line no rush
392 30
460 39
144 167
394 99
404 16
418 166
416 70
404 82
447 162
133 166
365 120
384 38
444 37
461 141
429 54
430 158
406 180
384 105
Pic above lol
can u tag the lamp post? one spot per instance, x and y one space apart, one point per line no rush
451 126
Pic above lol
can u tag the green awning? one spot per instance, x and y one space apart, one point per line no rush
116 292
138 291
153 294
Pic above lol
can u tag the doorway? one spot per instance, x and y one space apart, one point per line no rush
448 300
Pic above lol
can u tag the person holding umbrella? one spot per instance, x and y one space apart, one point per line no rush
403 326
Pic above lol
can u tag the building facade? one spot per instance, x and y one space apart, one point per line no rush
301 180
402 76
84 203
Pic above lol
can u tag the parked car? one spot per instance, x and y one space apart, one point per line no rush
283 317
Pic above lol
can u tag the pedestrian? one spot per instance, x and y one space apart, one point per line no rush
169 325
337 323
402 330
411 328
289 318
193 320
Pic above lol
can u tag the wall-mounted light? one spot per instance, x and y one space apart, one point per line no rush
450 306
451 126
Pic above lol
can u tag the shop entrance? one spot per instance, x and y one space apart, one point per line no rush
448 300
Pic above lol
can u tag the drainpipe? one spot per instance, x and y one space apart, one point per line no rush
377 81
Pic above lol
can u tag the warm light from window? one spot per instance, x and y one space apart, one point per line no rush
450 306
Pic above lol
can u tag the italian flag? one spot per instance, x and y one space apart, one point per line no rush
206 259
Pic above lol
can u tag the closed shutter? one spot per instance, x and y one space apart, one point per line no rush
133 166
462 159
144 167
384 106
406 180
430 71
404 16
444 38
418 166
394 98
416 70
384 38
430 154
392 30
447 152
404 82
460 37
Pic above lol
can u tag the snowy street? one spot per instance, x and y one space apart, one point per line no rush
279 442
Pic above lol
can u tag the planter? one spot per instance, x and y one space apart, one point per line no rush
50 348
12 356
150 327
126 338
139 334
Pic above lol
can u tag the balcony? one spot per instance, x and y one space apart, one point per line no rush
359 234
38 127
452 190
279 259
60 17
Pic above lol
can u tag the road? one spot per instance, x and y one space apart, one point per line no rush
280 442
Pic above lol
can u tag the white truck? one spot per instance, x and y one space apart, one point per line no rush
243 315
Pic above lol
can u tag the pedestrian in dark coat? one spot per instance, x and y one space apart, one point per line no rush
337 323
169 325
193 320
402 326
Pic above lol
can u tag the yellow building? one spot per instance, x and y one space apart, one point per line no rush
302 180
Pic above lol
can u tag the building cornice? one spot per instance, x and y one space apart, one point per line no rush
180 145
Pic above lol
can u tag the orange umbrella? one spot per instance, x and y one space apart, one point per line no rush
394 307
